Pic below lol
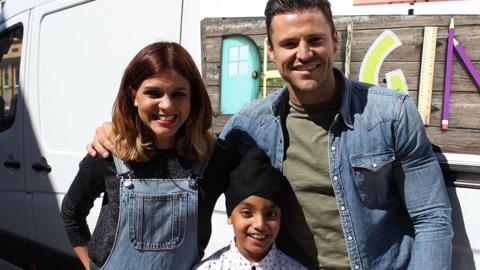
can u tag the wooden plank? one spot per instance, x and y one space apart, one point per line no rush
256 25
402 21
212 74
228 26
219 122
464 110
214 95
460 141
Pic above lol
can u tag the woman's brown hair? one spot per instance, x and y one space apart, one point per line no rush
134 140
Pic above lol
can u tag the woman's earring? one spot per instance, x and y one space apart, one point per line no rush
135 102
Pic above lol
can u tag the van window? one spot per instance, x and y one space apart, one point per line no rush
10 52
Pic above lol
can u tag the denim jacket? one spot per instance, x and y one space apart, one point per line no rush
388 186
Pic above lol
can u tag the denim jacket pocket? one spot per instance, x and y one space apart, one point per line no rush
157 222
372 174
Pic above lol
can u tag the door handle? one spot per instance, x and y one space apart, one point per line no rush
42 166
12 164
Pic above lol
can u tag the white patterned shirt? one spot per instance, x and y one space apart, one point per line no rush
230 258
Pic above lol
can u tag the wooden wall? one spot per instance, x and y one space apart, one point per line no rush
463 135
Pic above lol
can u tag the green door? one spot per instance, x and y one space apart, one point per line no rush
240 73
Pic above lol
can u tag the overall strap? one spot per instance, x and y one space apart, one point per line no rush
122 167
199 166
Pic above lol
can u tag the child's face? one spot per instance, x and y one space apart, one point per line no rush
256 222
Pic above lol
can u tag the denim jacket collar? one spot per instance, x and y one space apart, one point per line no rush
346 88
279 104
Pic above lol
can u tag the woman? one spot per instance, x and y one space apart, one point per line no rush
161 187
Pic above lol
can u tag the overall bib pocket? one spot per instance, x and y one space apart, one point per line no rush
373 173
157 222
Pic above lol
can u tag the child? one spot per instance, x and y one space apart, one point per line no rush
254 199
156 210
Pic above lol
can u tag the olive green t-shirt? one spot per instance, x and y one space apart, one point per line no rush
320 234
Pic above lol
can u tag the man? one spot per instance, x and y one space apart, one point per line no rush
369 191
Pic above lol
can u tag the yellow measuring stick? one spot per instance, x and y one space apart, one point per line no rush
267 74
348 49
426 73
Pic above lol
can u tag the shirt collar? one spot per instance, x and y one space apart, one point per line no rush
262 264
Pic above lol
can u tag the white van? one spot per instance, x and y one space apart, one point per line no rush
61 67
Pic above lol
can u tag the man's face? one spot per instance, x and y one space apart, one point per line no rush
303 49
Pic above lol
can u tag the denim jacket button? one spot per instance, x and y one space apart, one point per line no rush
350 238
374 165
333 148
128 183
357 267
335 178
342 208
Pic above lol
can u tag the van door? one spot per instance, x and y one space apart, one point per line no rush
15 214
79 50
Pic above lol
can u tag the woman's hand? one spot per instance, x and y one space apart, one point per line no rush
82 253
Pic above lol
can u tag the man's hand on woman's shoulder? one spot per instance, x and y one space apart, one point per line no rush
103 141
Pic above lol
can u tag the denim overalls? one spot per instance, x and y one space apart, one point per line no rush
157 224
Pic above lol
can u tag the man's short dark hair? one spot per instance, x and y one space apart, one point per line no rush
276 7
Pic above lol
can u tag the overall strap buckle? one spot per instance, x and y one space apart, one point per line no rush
124 172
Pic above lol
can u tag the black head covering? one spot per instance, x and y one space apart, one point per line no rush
255 176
